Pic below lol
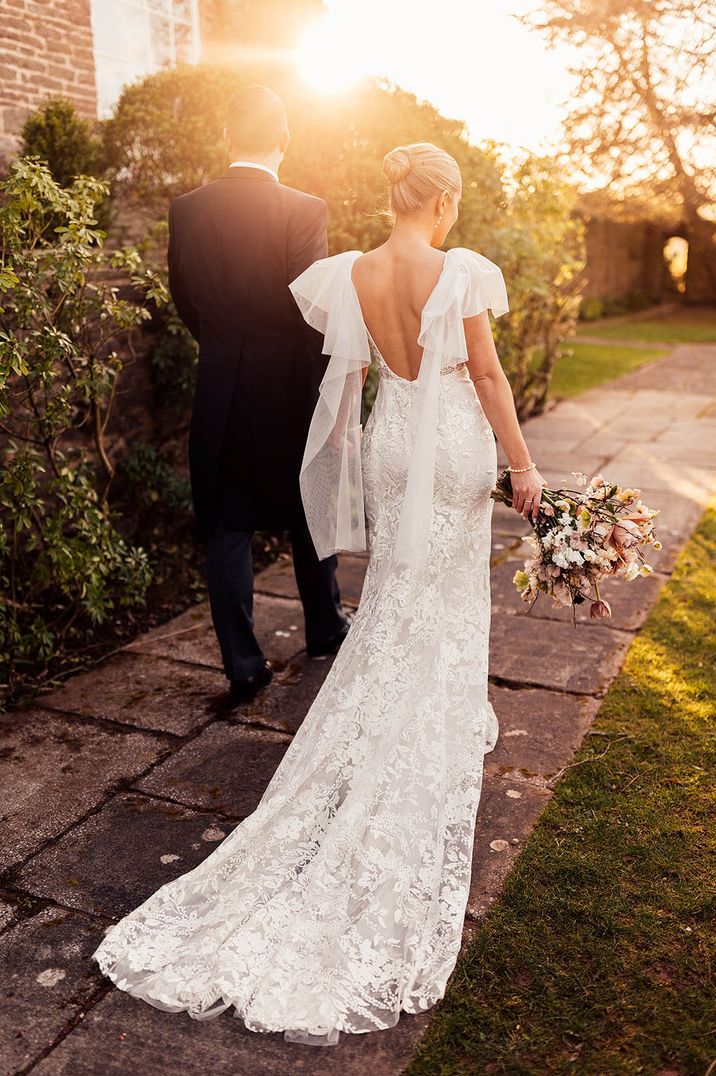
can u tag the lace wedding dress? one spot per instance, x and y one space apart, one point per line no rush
340 901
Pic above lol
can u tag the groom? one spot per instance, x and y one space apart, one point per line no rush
234 245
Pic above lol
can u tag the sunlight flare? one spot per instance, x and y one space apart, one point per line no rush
328 56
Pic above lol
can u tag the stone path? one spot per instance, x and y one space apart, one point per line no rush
131 773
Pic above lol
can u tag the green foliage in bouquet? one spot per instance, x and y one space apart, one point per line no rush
62 558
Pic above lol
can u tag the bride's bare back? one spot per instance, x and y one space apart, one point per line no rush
393 283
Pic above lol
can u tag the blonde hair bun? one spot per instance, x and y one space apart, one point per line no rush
416 173
397 164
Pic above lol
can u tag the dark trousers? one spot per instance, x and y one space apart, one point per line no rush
231 595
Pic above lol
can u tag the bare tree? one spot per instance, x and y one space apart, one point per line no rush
643 113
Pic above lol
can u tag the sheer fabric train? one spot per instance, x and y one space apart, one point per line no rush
340 901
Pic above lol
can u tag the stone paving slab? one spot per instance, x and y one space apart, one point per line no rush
505 521
630 602
9 913
556 466
540 731
226 768
190 637
506 814
47 979
147 692
687 370
124 1037
547 653
279 579
285 703
80 762
118 857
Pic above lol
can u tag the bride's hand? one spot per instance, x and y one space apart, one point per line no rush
527 492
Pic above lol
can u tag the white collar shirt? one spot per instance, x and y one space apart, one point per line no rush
254 164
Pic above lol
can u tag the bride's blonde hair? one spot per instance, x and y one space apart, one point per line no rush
418 172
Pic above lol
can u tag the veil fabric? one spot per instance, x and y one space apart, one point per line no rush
331 478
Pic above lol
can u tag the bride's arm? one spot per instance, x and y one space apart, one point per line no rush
495 394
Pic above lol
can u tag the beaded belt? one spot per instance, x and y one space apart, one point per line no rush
385 371
449 369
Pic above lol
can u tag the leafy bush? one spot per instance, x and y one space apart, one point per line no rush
540 248
65 141
62 320
56 134
152 481
166 137
591 309
174 360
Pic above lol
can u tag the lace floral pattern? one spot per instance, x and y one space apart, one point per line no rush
340 901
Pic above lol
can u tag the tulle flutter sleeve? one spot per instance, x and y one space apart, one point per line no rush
331 478
485 285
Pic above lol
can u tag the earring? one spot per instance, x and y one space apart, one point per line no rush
438 221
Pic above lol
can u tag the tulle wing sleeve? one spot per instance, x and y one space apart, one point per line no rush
331 478
485 285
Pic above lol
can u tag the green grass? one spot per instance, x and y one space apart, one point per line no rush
696 326
598 956
592 364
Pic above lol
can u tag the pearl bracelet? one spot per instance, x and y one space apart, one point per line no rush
519 470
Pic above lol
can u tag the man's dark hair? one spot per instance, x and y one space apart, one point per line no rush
255 121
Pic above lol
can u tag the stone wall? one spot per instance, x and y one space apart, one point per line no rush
627 256
45 49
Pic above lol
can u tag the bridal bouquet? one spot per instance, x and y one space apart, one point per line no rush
582 537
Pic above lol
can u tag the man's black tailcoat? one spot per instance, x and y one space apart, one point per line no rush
234 245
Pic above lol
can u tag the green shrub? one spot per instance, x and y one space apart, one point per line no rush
152 482
174 359
540 248
60 137
56 134
62 558
166 137
591 309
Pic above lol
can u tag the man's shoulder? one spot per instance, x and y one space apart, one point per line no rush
196 196
302 199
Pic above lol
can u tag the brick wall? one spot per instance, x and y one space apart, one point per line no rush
45 48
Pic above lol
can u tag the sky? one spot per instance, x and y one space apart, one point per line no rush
470 58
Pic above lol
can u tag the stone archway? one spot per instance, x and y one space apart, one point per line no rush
676 258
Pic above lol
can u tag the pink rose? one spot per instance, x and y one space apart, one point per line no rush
600 610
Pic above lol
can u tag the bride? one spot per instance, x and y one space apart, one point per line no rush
340 901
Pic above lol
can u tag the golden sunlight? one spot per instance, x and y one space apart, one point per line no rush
462 65
328 56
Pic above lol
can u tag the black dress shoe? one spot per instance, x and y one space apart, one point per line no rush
328 646
244 690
